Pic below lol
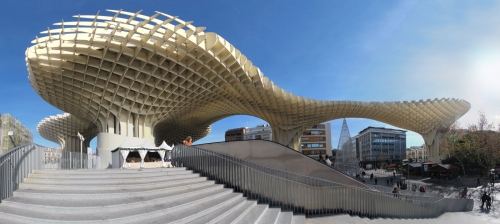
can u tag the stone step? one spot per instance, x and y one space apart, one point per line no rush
158 195
271 216
122 180
239 213
123 216
216 216
285 217
195 212
106 194
106 205
299 219
107 175
254 215
89 187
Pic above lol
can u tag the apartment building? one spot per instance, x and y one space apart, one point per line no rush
263 132
235 134
317 140
13 133
417 153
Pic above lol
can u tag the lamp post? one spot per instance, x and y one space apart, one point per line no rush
81 149
492 173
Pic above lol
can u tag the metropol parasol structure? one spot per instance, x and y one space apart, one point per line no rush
161 78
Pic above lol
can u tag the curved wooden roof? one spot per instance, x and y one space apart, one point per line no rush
180 79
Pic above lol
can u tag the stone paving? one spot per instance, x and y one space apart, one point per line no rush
449 189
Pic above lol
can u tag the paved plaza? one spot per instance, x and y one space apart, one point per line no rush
448 189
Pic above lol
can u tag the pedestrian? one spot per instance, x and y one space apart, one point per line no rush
397 184
363 173
321 160
483 199
422 189
376 181
387 182
395 192
371 176
394 173
478 182
488 201
464 192
188 141
327 160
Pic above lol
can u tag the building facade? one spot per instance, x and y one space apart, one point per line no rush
13 133
263 132
417 153
317 140
378 145
235 134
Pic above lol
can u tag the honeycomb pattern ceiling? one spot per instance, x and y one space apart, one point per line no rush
183 79
58 128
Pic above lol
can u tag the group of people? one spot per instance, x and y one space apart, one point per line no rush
325 160
486 198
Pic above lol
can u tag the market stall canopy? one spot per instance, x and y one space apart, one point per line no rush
137 143
444 167
165 146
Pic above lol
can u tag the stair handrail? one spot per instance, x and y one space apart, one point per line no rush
16 164
308 195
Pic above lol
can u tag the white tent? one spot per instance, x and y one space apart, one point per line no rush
141 145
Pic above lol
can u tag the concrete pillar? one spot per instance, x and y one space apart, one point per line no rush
432 140
106 142
287 136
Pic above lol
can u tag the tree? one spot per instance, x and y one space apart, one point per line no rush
485 142
478 145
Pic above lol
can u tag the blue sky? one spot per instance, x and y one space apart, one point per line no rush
327 50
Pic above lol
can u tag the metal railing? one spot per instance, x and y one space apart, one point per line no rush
70 160
17 164
307 195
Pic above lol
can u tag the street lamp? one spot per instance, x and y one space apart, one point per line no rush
81 149
492 173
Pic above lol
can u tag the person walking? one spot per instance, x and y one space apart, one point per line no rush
394 173
488 201
188 141
483 199
371 176
422 189
321 160
397 184
478 182
327 160
376 181
387 180
464 192
395 192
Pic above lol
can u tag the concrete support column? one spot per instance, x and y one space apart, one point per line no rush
432 140
72 144
287 136
106 142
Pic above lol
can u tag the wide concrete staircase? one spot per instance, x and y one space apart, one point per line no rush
166 195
